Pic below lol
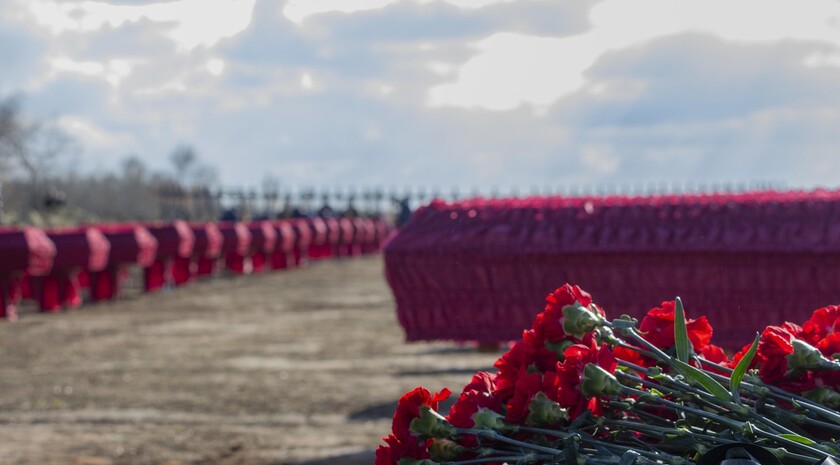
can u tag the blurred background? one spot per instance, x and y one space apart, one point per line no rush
132 110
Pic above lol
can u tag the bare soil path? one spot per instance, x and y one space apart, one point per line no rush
300 367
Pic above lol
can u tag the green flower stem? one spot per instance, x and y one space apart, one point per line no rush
547 432
481 433
501 458
817 452
640 413
662 430
586 439
657 456
638 350
711 401
655 352
757 385
734 424
807 420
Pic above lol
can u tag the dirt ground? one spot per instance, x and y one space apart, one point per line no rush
300 367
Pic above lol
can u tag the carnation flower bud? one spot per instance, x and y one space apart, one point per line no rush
487 419
445 450
545 412
579 320
825 396
598 382
808 357
429 425
604 335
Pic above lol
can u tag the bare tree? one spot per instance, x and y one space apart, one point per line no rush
32 147
183 158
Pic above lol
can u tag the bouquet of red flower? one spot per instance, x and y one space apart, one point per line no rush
580 389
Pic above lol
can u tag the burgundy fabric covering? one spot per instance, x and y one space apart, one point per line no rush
236 244
176 240
131 244
26 250
263 241
281 257
23 250
206 251
77 249
303 237
480 269
319 247
347 237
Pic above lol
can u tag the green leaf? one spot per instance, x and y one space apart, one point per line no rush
681 342
798 438
741 369
703 379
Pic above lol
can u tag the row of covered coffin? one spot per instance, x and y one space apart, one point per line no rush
54 265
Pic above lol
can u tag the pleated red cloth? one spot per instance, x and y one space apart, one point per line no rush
176 240
77 249
22 251
206 252
235 245
480 269
131 244
282 256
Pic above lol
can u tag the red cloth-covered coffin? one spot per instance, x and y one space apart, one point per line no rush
480 269
347 237
303 237
131 244
206 252
236 242
258 252
283 255
175 241
78 251
25 250
333 235
319 246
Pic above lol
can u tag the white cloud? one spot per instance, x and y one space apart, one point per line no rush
821 59
306 81
112 71
91 135
298 10
510 70
600 158
190 23
215 66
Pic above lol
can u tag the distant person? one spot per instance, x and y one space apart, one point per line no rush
351 211
404 212
326 211
229 215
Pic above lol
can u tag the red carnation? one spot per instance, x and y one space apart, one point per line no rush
829 346
775 344
397 449
548 325
408 408
518 360
658 328
527 386
570 374
476 395
566 295
823 322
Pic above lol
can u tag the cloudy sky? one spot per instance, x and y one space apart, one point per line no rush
440 92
